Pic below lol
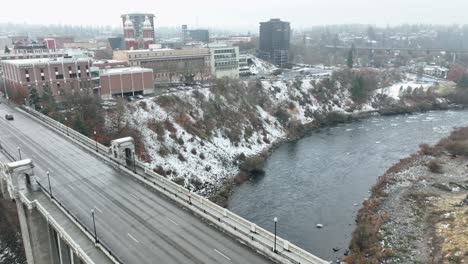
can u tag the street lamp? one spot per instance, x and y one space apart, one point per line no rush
19 153
66 119
134 163
275 220
50 187
94 225
95 139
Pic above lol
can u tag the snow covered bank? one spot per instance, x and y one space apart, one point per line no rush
199 138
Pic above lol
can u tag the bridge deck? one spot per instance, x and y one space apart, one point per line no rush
137 224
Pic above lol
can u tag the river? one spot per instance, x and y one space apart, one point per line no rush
324 178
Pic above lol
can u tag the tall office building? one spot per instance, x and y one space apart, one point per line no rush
274 41
138 30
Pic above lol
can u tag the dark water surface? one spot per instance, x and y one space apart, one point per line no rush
319 179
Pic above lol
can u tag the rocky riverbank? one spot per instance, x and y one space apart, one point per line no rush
418 210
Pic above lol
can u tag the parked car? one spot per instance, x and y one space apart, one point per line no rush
139 96
9 117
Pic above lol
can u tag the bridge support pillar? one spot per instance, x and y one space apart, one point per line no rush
64 251
4 188
36 236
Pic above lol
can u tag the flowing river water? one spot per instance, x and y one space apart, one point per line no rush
324 178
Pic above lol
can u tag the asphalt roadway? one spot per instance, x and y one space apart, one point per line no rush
138 225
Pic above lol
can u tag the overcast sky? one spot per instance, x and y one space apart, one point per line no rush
238 14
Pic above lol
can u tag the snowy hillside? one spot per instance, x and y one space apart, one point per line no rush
198 138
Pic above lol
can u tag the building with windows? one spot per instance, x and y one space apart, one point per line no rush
128 81
274 42
224 61
138 30
61 75
244 67
170 65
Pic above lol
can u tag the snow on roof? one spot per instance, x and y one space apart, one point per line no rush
124 70
44 60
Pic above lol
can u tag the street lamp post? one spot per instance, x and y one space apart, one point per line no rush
95 139
19 152
134 163
66 125
275 220
94 226
50 187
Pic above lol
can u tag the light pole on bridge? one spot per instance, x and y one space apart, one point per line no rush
19 153
134 163
66 125
50 186
95 139
94 226
275 220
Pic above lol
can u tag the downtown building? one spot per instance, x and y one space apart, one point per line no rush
138 30
170 65
274 42
62 75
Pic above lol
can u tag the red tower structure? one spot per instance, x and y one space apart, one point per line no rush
148 33
129 34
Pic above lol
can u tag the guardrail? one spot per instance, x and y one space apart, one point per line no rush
67 131
244 230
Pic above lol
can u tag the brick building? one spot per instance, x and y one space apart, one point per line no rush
62 75
125 82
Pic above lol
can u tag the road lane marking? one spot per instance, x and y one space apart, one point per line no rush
217 251
134 239
172 221
97 208
136 197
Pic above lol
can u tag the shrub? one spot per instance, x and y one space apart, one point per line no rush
458 148
427 150
434 166
158 128
181 157
194 151
282 115
179 180
202 156
253 165
163 151
160 170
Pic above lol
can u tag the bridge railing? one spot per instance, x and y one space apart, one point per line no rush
63 234
249 233
232 223
66 130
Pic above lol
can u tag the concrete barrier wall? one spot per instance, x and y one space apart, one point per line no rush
238 227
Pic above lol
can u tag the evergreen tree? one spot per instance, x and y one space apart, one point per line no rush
358 92
34 99
48 101
7 50
350 60
462 83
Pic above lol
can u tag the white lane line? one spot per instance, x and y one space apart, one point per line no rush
134 239
217 251
172 221
97 208
71 187
134 196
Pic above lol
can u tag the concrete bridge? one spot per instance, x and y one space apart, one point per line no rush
81 202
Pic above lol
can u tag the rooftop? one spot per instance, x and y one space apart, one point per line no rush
45 60
124 70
